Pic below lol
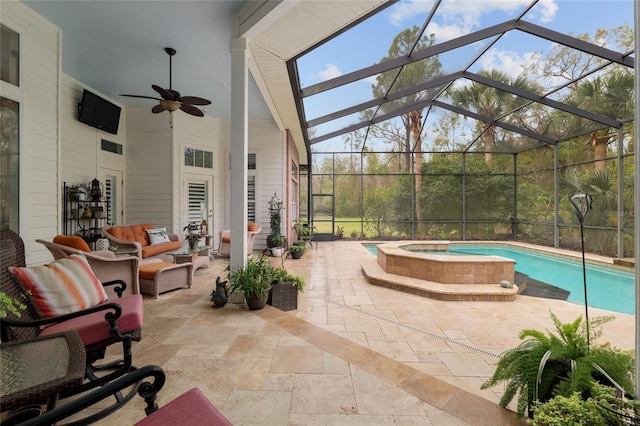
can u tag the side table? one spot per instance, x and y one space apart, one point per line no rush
40 369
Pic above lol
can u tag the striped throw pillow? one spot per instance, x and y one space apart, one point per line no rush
61 287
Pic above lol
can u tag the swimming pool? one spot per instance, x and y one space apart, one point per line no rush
608 288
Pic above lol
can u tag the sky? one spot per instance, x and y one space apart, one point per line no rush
368 42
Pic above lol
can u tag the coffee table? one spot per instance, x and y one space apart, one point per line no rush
199 256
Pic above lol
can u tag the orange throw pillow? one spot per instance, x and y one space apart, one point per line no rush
252 227
72 241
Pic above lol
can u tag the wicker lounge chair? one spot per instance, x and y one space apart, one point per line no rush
104 263
100 326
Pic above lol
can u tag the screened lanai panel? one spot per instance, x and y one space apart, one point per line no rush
562 16
338 98
441 197
535 197
348 163
365 38
348 197
336 125
455 18
322 163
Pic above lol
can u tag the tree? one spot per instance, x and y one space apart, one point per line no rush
610 96
491 103
407 77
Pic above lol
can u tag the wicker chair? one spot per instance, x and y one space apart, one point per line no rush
224 247
97 326
104 263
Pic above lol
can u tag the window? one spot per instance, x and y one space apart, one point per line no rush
10 131
197 201
294 191
251 187
198 158
9 56
109 146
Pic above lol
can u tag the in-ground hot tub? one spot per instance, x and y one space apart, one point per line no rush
399 259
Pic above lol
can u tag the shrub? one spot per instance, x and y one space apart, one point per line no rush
544 366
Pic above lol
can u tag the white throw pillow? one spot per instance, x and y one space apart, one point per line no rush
158 236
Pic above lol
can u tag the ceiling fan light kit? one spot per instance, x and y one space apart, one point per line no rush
171 100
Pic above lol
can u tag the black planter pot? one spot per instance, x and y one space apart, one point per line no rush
254 303
297 254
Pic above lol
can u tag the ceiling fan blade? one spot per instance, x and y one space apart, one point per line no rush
157 109
190 109
141 96
163 92
194 100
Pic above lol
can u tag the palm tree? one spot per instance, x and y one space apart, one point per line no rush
610 96
491 103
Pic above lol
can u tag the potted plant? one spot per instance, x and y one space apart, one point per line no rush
10 305
275 220
193 234
253 280
339 232
297 249
546 365
278 242
284 290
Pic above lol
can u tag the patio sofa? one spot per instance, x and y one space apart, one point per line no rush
136 237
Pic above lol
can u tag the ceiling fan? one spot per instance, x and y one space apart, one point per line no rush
171 100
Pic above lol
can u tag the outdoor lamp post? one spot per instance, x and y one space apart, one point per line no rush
582 203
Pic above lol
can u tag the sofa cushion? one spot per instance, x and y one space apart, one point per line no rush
122 233
132 233
152 250
72 241
253 227
148 271
86 325
140 233
60 287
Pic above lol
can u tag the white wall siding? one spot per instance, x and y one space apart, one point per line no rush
150 173
81 151
199 133
268 142
39 68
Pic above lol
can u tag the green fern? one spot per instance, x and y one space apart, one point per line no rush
546 365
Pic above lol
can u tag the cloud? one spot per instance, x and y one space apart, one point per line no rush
330 71
407 10
548 10
509 62
466 15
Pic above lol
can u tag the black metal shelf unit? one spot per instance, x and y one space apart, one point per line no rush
84 215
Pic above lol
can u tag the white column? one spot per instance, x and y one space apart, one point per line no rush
636 187
239 148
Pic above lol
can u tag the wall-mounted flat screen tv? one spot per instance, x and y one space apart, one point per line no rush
98 112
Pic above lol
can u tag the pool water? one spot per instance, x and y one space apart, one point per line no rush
607 288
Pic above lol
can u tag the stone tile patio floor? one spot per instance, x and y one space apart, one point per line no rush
352 353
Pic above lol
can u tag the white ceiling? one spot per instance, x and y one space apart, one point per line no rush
117 47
